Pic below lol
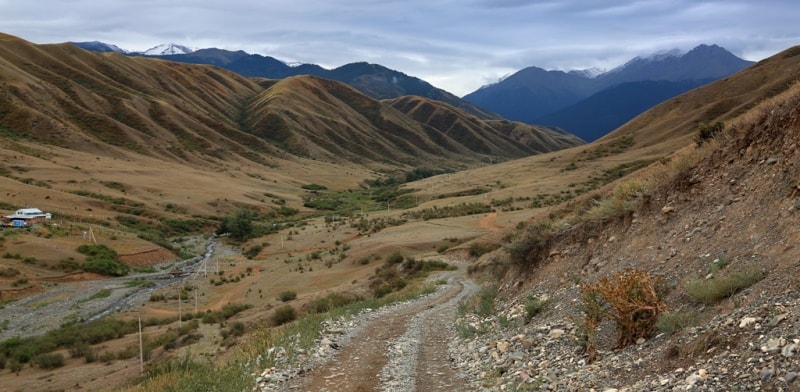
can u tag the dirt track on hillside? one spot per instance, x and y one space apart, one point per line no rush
369 360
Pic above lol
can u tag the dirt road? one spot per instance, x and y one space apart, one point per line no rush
401 351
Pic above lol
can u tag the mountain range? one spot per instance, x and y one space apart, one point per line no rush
591 105
65 96
532 95
373 80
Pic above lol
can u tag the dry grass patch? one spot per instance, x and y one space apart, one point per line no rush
632 299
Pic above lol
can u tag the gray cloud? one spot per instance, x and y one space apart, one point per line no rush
456 45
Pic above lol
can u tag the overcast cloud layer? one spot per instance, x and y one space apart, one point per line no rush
457 45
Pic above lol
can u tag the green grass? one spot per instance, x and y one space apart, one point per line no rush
724 285
481 304
672 322
625 198
535 306
102 293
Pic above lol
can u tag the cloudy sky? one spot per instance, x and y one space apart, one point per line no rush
457 45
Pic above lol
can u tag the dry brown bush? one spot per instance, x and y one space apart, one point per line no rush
632 299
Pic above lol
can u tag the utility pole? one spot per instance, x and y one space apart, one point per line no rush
180 312
141 346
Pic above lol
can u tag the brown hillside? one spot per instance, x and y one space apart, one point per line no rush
484 136
62 95
675 121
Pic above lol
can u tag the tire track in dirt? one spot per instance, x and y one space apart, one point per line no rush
358 366
420 358
435 370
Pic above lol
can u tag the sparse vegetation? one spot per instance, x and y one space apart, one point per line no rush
449 211
478 249
531 245
625 198
673 322
723 285
102 293
706 131
535 305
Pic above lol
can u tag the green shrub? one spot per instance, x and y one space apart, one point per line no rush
253 251
80 350
481 303
395 258
287 295
331 301
313 187
534 306
283 315
9 272
706 131
486 298
239 225
102 260
531 245
382 290
237 329
50 361
477 249
107 357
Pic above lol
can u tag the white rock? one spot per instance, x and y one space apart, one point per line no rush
747 321
789 350
556 333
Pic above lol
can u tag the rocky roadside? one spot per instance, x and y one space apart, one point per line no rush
753 348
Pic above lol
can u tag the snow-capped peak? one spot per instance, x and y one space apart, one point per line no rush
167 49
589 73
655 57
658 56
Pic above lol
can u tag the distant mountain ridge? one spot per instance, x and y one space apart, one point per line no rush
373 80
158 50
537 96
532 95
205 115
